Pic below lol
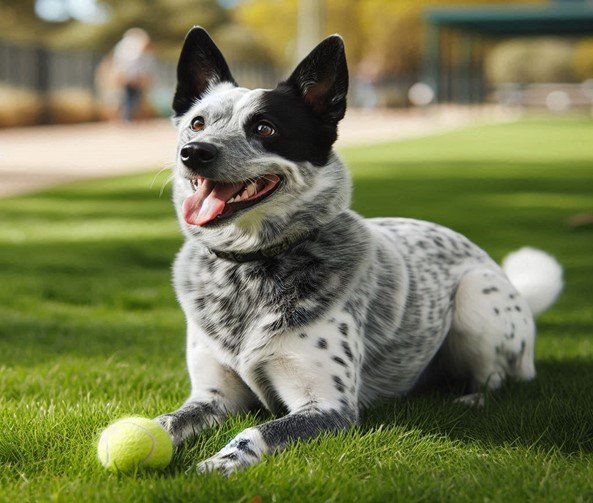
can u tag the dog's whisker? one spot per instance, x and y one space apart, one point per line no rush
157 175
169 179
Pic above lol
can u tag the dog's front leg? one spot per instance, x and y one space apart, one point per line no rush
216 391
316 378
251 444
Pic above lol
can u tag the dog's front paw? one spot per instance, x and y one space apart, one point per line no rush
243 451
222 463
170 423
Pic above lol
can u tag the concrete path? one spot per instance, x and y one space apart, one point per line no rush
35 158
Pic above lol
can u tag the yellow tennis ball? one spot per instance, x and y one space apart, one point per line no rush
134 443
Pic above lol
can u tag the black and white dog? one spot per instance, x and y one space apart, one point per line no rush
296 303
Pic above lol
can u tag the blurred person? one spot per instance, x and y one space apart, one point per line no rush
133 65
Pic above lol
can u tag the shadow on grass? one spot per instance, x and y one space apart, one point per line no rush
87 300
553 411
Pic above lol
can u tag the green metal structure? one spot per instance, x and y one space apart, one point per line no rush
475 25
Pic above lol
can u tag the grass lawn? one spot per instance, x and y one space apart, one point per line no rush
91 332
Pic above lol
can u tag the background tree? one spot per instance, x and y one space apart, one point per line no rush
166 21
390 32
19 22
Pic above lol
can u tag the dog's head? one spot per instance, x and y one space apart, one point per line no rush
255 167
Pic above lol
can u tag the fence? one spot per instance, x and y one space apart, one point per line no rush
45 71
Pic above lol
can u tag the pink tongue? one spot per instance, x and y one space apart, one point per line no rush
208 201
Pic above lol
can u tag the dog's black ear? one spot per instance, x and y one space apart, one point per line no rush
200 64
322 79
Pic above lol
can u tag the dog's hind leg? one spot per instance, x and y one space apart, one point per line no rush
216 391
492 335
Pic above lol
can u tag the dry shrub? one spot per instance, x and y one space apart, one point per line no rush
72 105
582 60
18 107
528 61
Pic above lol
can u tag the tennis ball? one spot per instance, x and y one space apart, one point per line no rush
134 443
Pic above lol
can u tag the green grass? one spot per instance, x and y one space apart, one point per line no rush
90 331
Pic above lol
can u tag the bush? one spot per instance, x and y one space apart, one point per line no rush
582 60
529 61
18 107
72 105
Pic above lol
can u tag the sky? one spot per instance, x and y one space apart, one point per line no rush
87 11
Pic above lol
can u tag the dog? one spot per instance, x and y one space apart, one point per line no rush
295 303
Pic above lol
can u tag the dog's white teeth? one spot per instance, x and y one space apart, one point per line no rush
196 183
251 189
242 195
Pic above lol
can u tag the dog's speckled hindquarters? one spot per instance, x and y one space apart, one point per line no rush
295 303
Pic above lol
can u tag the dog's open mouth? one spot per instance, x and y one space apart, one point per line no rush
213 200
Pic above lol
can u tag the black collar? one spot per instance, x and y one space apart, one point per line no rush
265 253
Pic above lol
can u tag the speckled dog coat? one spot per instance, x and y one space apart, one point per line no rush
295 303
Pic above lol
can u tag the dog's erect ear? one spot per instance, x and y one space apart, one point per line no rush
322 79
200 64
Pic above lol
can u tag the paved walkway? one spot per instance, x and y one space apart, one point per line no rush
35 158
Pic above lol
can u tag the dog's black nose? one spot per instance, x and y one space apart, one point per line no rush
198 153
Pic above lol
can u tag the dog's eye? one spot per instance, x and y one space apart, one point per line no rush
264 129
198 123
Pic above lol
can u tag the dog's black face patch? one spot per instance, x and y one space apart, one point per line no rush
306 108
300 134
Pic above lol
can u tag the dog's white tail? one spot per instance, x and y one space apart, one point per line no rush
536 275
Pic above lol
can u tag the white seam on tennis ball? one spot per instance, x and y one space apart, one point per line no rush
105 440
152 437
